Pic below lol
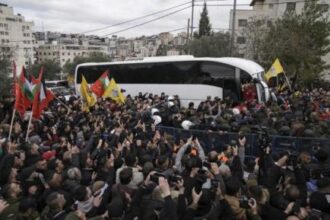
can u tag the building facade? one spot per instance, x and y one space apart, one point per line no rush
268 9
16 38
66 47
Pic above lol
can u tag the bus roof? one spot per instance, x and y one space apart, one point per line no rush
247 65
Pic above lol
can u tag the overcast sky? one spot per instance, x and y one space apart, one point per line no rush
77 16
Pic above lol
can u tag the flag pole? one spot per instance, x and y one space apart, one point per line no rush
14 93
62 103
28 128
287 80
12 124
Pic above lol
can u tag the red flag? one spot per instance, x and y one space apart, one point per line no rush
42 97
100 85
22 93
19 100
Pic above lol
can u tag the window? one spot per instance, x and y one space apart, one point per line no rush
291 6
241 40
245 77
242 22
62 54
1 25
324 7
271 6
220 75
149 73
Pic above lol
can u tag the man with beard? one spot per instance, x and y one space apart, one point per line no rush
11 193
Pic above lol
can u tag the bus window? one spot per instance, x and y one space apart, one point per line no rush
155 73
245 77
91 73
220 75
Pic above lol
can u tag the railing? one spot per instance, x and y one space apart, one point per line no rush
217 141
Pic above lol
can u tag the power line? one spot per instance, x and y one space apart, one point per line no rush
178 29
147 22
134 19
277 3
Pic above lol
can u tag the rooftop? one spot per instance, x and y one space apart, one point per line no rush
255 1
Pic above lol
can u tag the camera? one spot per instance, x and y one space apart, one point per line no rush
263 138
244 202
155 177
171 179
174 179
293 159
105 137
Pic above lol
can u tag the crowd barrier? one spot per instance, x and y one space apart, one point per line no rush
214 140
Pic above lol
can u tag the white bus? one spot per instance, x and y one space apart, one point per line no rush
192 79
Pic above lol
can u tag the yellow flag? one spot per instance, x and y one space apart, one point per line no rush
274 70
86 94
113 91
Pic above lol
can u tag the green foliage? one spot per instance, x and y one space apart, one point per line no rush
5 85
204 23
217 45
299 41
69 67
162 50
52 69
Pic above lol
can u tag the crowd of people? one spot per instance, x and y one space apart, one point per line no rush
113 162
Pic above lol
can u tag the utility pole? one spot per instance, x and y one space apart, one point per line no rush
192 19
187 40
233 28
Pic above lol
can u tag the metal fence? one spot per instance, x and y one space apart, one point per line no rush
217 141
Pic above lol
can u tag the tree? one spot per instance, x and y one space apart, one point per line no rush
69 67
5 85
217 45
162 50
52 69
204 23
300 41
255 33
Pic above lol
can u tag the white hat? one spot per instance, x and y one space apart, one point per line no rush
170 104
236 111
154 110
186 124
157 119
170 98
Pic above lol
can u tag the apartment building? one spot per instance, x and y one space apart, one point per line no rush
16 39
270 9
67 47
